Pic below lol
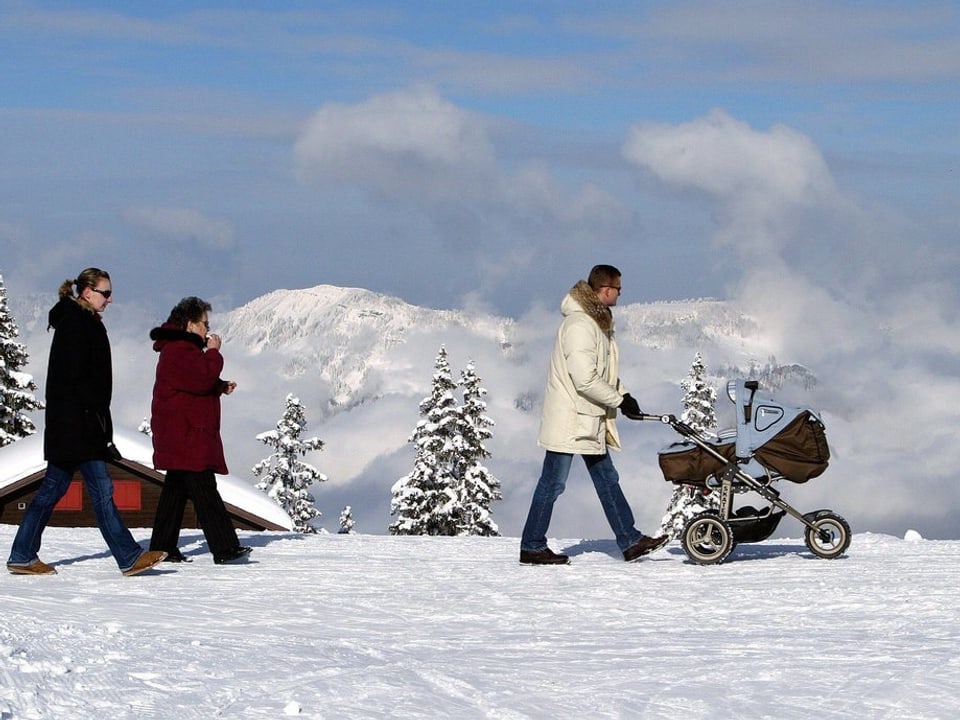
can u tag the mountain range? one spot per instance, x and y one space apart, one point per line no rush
353 339
361 362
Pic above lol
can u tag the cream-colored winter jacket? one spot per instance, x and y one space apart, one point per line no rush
583 389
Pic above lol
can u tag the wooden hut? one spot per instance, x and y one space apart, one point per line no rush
137 487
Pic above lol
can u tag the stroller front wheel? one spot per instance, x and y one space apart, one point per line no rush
707 539
830 535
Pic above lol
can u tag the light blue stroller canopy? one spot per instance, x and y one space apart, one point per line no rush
789 439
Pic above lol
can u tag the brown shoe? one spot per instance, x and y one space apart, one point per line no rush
542 557
644 546
37 567
147 560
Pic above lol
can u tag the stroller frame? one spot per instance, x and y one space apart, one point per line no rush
709 537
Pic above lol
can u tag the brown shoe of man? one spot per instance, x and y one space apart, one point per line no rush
147 560
542 557
644 546
37 567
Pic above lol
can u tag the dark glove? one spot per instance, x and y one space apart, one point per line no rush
113 453
631 408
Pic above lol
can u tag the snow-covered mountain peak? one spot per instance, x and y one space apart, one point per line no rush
290 317
343 334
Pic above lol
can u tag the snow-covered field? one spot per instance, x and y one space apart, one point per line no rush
364 626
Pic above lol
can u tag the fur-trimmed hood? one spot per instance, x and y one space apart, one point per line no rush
586 298
167 333
65 306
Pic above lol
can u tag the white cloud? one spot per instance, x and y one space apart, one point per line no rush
725 157
769 187
183 224
409 144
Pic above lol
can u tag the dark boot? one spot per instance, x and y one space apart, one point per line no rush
542 557
644 546
237 553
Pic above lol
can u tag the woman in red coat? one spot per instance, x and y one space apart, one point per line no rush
185 421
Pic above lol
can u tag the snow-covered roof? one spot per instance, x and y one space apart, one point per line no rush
25 457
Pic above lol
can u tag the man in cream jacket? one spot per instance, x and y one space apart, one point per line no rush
579 412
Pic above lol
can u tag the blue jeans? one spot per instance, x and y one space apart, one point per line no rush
553 481
55 483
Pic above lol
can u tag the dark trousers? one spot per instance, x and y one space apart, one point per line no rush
201 489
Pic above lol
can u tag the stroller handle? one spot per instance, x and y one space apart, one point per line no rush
665 419
671 420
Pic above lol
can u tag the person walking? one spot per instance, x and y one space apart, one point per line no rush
185 421
579 410
78 430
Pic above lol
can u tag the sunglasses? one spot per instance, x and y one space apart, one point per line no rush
105 293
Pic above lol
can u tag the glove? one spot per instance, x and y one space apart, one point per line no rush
630 407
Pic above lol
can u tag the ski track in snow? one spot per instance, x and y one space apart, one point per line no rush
364 626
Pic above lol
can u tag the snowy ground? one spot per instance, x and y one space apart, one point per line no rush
365 626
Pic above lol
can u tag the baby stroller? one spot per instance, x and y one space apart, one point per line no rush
771 442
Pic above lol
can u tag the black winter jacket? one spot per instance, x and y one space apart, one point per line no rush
79 386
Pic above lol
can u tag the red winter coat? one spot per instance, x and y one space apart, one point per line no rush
186 403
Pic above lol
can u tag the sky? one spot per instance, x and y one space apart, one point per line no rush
228 149
795 159
340 626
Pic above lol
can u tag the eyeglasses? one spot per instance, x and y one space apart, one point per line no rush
615 287
105 293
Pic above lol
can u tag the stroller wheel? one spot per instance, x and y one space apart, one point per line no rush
707 539
830 535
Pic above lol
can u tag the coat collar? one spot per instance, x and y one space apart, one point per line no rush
168 333
588 300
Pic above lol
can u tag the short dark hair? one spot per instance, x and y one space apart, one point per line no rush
601 275
189 309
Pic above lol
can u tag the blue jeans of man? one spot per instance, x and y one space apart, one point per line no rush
553 481
54 486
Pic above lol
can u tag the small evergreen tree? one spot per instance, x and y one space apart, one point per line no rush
346 521
286 478
699 399
16 387
700 414
425 499
449 490
479 487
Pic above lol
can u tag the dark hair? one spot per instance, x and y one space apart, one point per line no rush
190 309
86 279
601 275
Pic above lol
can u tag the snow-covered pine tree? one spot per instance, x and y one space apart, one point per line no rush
425 499
478 487
699 399
346 521
700 414
16 387
286 478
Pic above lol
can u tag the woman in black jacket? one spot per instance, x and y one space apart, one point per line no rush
78 432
